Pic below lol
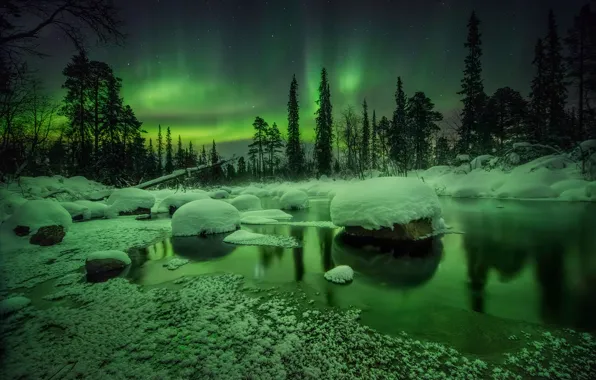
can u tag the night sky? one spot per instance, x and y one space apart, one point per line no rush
207 68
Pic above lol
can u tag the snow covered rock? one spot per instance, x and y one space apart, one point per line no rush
77 211
481 161
340 275
294 200
219 194
45 220
176 263
10 203
97 209
205 216
12 304
387 208
106 263
246 202
129 201
99 195
175 201
274 214
256 220
243 237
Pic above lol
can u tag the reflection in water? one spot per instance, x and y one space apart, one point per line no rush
403 264
326 243
201 248
298 253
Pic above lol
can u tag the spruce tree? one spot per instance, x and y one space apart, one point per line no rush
151 161
293 147
374 143
472 90
257 147
442 151
203 157
384 131
505 114
365 148
180 159
159 151
398 133
274 144
230 171
169 166
323 128
539 102
216 170
241 167
556 90
423 118
191 156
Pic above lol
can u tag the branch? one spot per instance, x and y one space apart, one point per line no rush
32 33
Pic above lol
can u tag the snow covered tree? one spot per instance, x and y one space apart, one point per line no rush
365 155
159 151
422 119
273 147
169 166
398 135
259 141
323 128
472 90
293 147
373 143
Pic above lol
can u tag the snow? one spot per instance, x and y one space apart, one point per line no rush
243 237
110 254
383 202
219 194
205 216
176 263
246 202
588 145
256 220
179 199
77 210
12 304
294 200
569 184
274 214
97 209
463 158
340 274
128 199
38 213
10 203
480 161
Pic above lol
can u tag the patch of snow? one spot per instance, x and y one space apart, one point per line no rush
219 194
176 263
268 214
294 200
568 184
97 209
340 274
462 158
179 199
77 210
205 216
246 202
480 161
243 237
521 145
314 223
38 213
128 199
110 254
256 220
12 304
383 202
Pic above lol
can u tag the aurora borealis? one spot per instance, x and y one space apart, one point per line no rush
207 68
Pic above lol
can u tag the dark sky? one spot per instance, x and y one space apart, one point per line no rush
207 68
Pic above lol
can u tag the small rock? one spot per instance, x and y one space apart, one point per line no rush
48 235
21 230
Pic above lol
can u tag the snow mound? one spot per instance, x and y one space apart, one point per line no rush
110 255
219 194
256 220
180 199
243 237
268 214
176 263
205 216
340 274
294 200
97 209
129 199
591 190
568 184
246 202
480 161
12 304
38 213
76 210
10 203
383 202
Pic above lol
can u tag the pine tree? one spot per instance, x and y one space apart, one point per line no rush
556 90
273 147
169 166
151 161
293 147
323 129
442 151
257 147
505 115
422 117
374 143
203 157
538 97
216 170
191 156
159 151
384 133
230 171
581 63
472 90
398 133
180 158
365 149
241 167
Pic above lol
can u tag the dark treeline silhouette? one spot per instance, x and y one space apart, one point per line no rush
93 133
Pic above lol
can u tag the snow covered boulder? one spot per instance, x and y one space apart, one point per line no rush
340 275
46 221
219 194
10 203
97 209
102 265
205 216
175 201
129 201
294 200
481 161
393 208
246 202
77 211
12 304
